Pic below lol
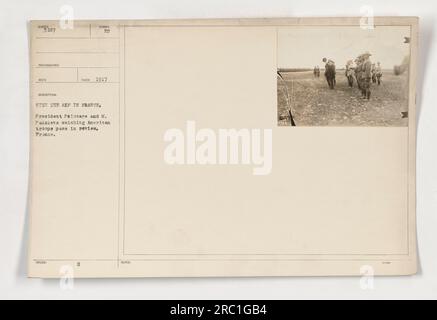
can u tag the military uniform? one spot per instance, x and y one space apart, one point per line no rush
378 72
358 72
349 73
366 78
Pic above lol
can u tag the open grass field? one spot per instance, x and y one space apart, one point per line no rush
314 104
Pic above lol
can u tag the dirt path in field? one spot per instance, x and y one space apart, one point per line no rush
314 104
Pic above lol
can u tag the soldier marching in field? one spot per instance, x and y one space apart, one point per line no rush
358 71
350 73
317 71
378 72
373 73
366 76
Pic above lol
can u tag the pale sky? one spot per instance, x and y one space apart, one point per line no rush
305 47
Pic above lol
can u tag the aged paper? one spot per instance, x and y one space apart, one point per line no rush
242 147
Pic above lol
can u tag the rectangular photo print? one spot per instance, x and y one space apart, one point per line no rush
343 76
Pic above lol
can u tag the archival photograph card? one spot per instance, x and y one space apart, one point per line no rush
219 148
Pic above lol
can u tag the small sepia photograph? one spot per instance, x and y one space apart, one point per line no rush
343 76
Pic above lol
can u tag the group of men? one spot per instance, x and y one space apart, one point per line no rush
363 71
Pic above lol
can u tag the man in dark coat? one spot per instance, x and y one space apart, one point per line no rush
330 72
